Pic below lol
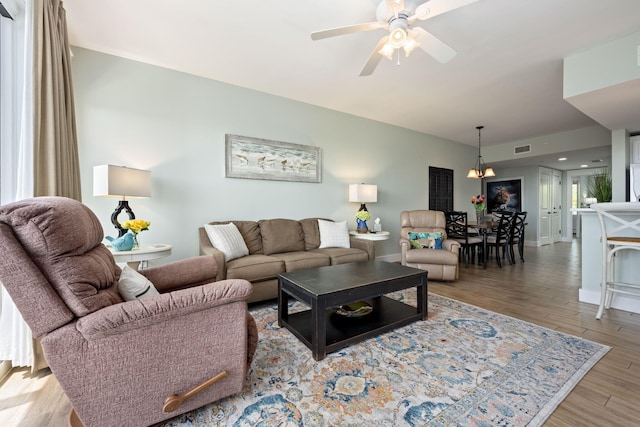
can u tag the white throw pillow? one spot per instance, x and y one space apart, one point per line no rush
227 239
133 285
333 234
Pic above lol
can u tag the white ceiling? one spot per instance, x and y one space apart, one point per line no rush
507 75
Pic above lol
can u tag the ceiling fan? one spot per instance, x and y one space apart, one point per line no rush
397 16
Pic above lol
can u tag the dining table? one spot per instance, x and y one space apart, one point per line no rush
484 228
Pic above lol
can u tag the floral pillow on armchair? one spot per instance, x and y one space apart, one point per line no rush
425 240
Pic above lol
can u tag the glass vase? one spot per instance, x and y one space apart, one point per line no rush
479 215
135 241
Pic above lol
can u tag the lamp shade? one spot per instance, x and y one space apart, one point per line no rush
363 193
121 181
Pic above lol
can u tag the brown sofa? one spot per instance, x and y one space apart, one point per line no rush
277 246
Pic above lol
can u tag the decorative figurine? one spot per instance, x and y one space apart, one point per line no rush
124 243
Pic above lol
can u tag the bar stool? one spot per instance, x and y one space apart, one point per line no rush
616 218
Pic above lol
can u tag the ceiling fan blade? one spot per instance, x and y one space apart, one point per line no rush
438 7
368 26
373 60
433 45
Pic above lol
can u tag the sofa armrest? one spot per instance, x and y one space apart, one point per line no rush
206 248
182 274
369 246
144 312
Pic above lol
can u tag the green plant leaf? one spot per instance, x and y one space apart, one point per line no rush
599 186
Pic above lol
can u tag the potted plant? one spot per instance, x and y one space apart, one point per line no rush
599 186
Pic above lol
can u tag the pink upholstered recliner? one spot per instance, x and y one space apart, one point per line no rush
122 363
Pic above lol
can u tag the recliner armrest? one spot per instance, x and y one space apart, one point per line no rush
451 245
182 274
143 312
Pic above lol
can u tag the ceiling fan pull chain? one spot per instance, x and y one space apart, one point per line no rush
398 63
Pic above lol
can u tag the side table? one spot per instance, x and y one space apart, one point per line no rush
380 235
142 253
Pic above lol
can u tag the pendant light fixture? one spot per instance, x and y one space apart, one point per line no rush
480 170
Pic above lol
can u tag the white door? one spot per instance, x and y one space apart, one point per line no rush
544 197
556 206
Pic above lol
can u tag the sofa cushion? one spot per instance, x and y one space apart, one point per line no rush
304 259
255 268
227 239
281 235
133 285
343 255
250 231
333 234
311 232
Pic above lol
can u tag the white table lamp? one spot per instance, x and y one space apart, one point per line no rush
122 182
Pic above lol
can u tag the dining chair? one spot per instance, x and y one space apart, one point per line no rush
620 227
516 235
500 240
458 230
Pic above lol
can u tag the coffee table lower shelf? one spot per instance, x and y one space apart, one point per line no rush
341 331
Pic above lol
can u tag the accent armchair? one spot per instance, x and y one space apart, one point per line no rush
122 363
442 264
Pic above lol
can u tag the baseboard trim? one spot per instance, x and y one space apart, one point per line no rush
620 302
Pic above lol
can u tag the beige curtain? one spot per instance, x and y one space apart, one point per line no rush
56 164
55 149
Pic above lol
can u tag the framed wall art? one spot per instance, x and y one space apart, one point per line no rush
504 194
256 158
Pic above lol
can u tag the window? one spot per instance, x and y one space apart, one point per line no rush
440 189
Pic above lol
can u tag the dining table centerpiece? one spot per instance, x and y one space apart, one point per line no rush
479 205
136 226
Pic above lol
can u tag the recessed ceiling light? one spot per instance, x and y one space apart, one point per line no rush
584 166
562 159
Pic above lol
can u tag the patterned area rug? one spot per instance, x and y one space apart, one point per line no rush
462 366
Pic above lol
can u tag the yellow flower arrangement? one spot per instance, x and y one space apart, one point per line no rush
136 225
363 215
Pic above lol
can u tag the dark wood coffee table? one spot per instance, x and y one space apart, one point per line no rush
326 288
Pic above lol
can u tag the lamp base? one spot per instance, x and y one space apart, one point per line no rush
361 223
123 205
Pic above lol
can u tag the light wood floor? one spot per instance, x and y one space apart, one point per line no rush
543 290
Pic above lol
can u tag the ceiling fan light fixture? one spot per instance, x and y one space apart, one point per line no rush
387 51
410 45
398 37
397 17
